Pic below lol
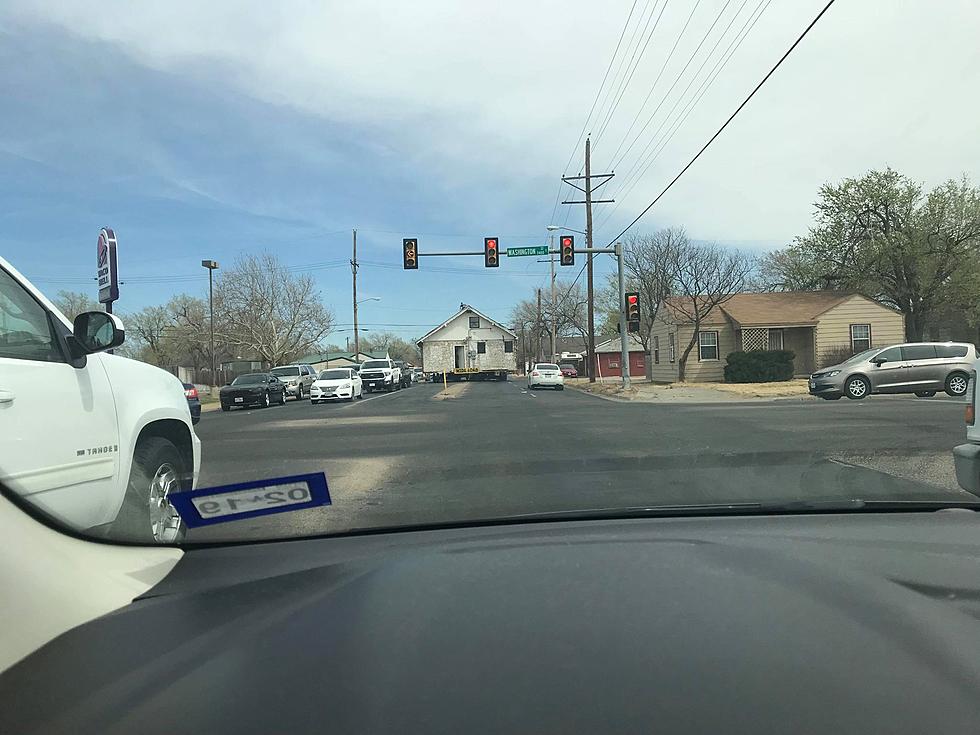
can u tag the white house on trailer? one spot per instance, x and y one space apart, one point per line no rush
469 345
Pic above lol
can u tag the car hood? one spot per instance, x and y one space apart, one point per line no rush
830 368
240 388
825 623
332 383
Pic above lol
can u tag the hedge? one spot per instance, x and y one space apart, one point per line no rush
759 366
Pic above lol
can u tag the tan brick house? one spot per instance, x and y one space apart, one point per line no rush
819 326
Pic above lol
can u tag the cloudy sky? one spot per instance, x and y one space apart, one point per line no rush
203 130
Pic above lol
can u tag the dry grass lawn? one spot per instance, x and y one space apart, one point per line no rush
760 390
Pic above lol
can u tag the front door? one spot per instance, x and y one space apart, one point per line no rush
460 356
59 442
891 376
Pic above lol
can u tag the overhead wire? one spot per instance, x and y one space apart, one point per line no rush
727 122
645 161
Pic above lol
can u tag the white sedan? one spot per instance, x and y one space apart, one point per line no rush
545 375
336 383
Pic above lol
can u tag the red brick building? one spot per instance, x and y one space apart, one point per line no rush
608 356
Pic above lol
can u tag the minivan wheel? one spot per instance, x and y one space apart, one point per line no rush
857 388
956 384
925 393
147 514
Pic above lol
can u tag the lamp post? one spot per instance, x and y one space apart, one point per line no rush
212 266
357 340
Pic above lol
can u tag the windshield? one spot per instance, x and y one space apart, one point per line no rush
196 195
249 379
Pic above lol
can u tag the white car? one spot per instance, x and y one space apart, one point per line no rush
545 375
89 438
336 383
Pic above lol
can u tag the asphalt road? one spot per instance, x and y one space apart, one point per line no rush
497 449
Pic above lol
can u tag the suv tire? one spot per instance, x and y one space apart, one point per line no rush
146 515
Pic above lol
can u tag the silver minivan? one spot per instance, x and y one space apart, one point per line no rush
922 368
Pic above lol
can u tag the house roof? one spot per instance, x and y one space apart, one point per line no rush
463 308
767 309
328 356
614 345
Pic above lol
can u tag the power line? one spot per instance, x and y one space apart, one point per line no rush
585 125
644 160
726 123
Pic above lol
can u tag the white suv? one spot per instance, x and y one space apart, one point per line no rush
87 437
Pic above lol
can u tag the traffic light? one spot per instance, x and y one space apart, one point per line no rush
566 255
410 253
633 307
491 255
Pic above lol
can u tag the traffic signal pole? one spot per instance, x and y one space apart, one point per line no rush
623 333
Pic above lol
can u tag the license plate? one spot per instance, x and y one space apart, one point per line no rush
813 384
239 400
243 501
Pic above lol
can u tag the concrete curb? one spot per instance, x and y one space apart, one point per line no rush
737 400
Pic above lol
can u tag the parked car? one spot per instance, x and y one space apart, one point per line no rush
382 374
92 439
405 373
922 368
193 402
545 375
568 371
966 457
298 379
252 389
336 383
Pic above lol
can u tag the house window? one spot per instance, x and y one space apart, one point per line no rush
481 348
656 350
860 337
613 364
508 345
671 347
775 339
708 345
474 322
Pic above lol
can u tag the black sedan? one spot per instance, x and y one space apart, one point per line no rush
253 389
193 402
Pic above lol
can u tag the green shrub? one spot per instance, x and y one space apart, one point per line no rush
759 366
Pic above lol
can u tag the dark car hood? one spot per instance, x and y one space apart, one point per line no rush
818 624
242 388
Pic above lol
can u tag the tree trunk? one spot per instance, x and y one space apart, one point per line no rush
915 323
682 361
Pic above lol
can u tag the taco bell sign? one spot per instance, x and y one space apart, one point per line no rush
108 274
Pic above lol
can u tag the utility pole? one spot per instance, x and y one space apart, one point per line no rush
353 270
624 333
588 202
554 315
538 329
211 265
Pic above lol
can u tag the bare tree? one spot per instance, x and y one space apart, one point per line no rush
150 336
704 277
268 310
73 303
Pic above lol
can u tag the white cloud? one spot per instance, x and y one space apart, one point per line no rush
467 89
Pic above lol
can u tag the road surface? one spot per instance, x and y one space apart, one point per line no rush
495 449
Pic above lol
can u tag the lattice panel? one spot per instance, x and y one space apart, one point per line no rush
755 339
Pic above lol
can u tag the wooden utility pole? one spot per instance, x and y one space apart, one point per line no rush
353 270
588 202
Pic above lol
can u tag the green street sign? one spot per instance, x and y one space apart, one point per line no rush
533 250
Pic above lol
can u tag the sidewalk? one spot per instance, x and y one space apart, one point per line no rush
693 392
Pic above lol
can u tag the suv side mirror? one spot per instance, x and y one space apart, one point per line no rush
879 361
97 331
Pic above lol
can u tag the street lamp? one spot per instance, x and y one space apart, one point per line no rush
553 228
212 266
357 341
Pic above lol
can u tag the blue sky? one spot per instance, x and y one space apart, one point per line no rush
207 132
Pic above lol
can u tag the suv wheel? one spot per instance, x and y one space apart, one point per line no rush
956 384
925 393
146 514
857 388
266 401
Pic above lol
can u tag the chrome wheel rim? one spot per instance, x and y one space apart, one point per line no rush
857 388
266 399
164 520
958 385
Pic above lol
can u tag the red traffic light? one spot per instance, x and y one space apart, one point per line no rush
632 298
491 257
566 254
633 307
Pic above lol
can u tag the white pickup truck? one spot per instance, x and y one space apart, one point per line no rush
93 440
381 374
